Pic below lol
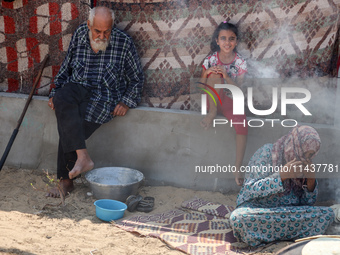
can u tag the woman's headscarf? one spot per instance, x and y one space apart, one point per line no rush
293 145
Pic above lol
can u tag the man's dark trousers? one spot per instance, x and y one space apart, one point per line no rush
70 103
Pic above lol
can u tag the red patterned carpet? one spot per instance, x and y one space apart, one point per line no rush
198 228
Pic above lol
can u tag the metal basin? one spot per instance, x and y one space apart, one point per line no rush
114 182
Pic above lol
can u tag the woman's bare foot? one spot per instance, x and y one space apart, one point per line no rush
82 165
238 178
65 185
207 121
239 181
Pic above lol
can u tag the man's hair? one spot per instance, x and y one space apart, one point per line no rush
93 13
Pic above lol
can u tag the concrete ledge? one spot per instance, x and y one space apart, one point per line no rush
166 145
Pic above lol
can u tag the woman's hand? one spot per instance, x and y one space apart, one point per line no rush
209 71
218 70
293 169
298 169
309 173
309 170
222 71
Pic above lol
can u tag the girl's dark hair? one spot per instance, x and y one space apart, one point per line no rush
223 26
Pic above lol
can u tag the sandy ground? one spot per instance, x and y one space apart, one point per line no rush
28 226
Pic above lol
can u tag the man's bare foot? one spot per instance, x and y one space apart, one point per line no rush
66 186
83 164
207 121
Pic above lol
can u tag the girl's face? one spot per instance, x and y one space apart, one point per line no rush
227 41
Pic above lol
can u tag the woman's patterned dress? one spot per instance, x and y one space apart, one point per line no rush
266 213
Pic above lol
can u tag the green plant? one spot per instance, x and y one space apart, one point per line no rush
52 183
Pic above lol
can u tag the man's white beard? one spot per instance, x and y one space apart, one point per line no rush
98 44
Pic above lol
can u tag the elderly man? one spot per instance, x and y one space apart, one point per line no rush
100 78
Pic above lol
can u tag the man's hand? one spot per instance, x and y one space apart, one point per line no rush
50 103
120 109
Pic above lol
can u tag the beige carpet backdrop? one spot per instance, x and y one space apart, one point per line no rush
279 38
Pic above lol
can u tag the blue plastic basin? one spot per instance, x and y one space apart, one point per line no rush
108 209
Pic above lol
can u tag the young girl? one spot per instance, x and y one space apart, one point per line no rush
225 66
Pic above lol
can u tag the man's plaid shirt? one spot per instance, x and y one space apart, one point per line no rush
113 76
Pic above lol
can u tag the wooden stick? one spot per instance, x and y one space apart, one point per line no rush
16 130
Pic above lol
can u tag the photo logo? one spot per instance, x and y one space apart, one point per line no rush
204 97
238 103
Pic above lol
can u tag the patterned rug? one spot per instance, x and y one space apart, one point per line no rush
198 228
